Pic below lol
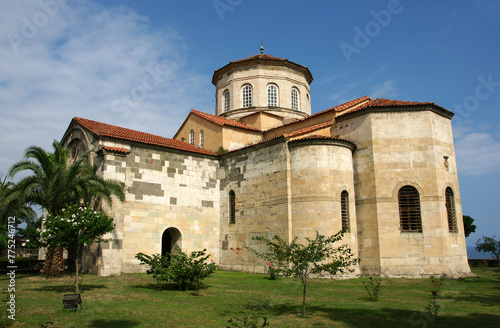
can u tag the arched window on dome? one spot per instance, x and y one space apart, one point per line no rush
247 95
227 98
295 98
272 95
191 137
202 138
409 209
450 210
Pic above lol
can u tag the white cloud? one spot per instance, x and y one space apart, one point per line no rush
384 90
477 153
82 59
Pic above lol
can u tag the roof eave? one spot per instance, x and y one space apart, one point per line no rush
235 64
407 108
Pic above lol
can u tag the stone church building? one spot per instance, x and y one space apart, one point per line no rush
383 170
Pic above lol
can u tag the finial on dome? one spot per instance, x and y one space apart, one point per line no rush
261 47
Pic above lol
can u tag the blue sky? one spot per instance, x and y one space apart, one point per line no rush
61 58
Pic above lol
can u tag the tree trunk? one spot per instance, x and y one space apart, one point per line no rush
54 262
77 269
78 256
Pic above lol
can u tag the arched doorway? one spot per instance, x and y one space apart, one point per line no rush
169 239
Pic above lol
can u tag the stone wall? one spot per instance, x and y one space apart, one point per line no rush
235 138
397 149
258 177
286 189
320 170
165 189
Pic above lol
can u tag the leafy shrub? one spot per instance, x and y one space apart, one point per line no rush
157 265
186 272
373 288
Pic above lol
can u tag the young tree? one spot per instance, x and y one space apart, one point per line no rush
75 228
318 256
469 227
56 182
489 244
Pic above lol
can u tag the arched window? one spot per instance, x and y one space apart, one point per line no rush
227 98
232 207
202 139
272 95
450 210
191 137
247 95
344 207
295 99
409 209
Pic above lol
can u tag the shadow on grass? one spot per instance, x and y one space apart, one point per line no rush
382 317
68 289
114 323
157 287
485 299
166 286
388 317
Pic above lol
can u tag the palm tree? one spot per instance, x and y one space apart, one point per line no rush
56 183
11 208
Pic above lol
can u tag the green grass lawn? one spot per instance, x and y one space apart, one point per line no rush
134 300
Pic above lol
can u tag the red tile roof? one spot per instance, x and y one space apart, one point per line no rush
219 120
364 103
112 131
316 137
307 129
347 105
338 108
264 57
261 57
116 150
381 102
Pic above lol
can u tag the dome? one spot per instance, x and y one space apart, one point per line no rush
263 83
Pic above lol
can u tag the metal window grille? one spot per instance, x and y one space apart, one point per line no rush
344 204
202 139
450 210
295 99
272 95
247 96
232 207
409 209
